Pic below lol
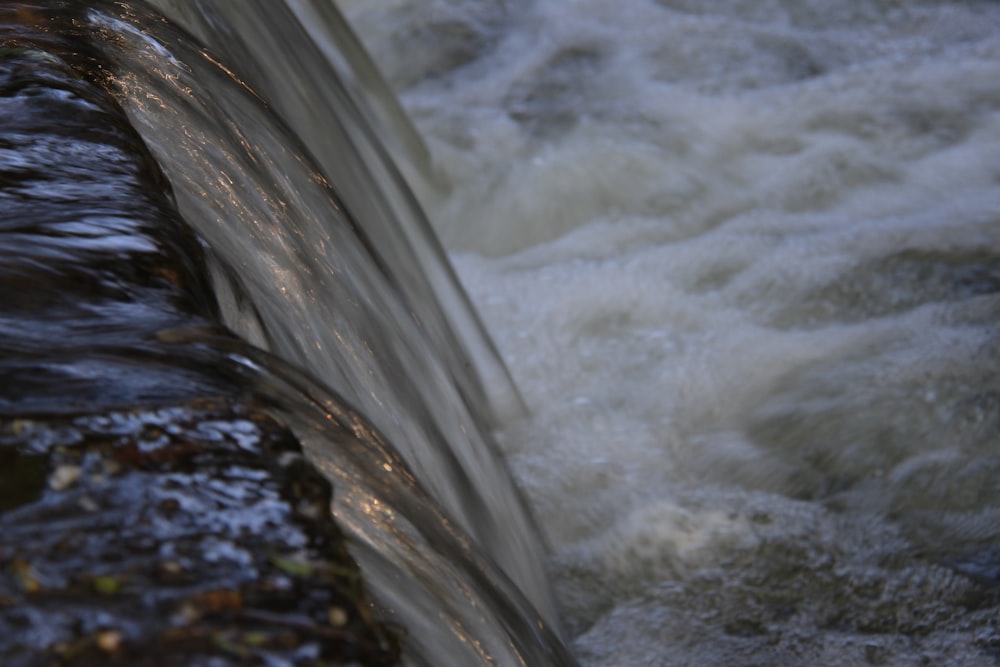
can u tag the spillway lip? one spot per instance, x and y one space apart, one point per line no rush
170 534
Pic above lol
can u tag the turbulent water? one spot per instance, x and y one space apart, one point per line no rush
743 261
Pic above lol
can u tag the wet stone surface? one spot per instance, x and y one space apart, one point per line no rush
165 536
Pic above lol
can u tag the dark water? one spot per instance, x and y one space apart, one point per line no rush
97 267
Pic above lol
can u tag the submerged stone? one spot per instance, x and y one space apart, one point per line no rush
175 534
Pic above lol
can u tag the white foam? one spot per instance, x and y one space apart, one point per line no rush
742 264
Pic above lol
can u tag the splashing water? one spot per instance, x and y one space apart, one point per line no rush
742 260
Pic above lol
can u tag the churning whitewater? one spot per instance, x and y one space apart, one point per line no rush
741 258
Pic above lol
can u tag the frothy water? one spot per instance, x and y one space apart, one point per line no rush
742 261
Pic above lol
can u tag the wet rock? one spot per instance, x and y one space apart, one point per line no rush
171 535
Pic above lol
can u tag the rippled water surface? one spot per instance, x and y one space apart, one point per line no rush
742 261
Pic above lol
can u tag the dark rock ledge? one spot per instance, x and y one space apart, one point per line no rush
151 511
169 536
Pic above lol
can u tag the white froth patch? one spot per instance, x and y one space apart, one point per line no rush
741 259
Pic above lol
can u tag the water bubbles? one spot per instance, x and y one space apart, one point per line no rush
744 271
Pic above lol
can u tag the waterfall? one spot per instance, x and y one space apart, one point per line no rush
739 257
322 259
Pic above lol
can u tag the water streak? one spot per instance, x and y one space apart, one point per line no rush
298 274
